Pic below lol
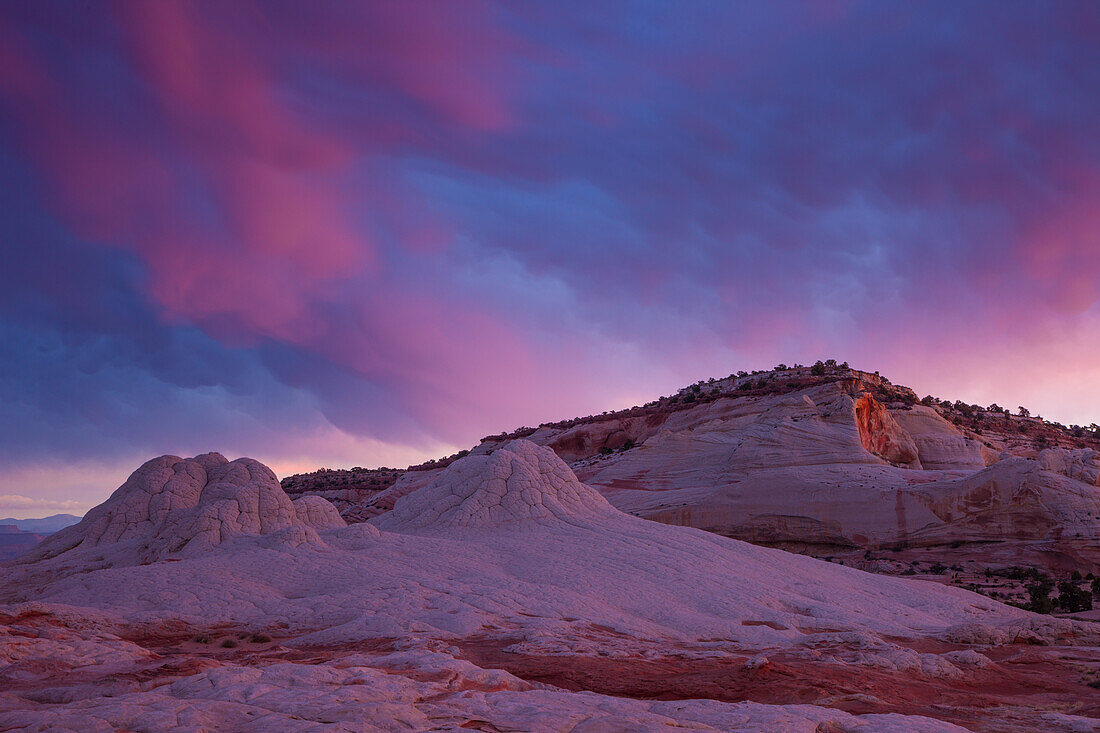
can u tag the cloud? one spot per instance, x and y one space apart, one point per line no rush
18 502
398 227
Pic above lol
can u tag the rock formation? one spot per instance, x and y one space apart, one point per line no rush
173 506
827 464
14 541
486 599
518 483
940 445
1082 465
346 489
880 434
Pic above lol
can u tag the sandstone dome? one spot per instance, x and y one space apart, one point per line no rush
172 505
518 483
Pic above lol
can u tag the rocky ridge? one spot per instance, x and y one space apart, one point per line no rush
833 462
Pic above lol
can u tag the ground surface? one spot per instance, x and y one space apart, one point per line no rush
502 594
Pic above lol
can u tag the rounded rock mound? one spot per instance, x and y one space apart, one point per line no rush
1082 464
519 483
174 505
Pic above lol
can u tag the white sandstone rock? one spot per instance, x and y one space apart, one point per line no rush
519 482
177 506
1082 464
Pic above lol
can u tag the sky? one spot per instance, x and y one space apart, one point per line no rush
337 234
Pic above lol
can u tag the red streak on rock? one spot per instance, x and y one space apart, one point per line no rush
987 699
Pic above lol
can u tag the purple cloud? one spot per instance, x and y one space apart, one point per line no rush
399 227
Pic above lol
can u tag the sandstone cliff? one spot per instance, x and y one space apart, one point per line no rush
827 462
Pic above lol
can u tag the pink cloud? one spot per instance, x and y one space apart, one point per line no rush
250 156
279 227
237 196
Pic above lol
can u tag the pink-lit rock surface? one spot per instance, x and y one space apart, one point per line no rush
174 506
827 464
830 465
502 594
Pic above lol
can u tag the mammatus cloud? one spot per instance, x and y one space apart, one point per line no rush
276 229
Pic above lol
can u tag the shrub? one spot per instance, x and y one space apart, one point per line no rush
1072 599
229 643
818 369
260 638
964 408
1039 596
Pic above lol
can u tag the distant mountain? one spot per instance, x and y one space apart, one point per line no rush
14 541
45 525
